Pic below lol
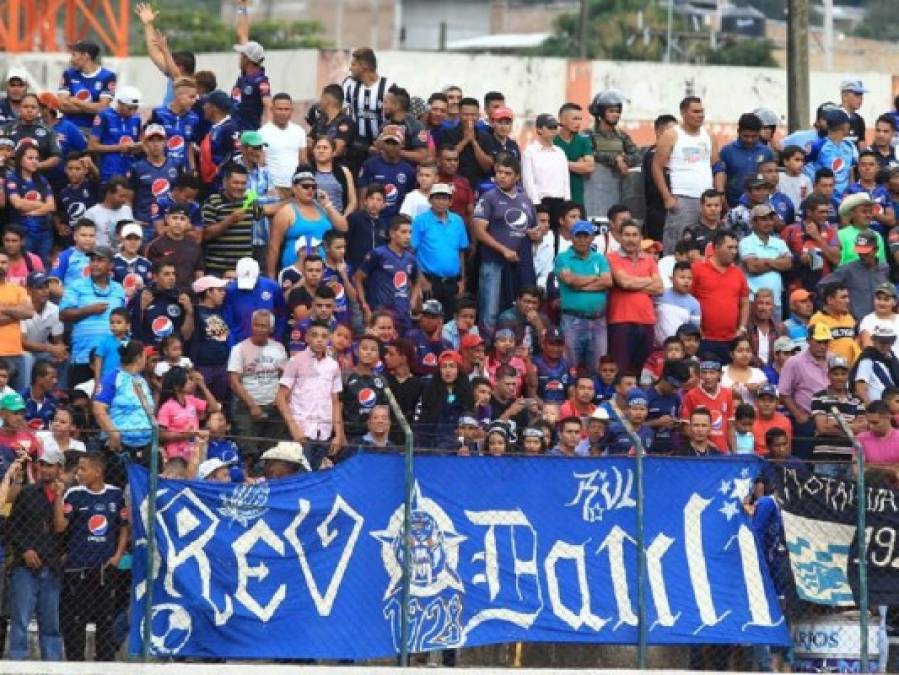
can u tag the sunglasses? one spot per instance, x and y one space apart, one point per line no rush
307 186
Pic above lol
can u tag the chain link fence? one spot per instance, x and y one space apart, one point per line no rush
67 581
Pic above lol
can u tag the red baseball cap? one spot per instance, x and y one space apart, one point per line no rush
470 340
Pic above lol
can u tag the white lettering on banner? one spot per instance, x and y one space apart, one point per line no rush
523 567
186 523
654 553
241 547
325 602
584 616
621 496
614 543
752 575
699 575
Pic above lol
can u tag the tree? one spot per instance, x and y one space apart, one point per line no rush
622 30
198 28
634 30
881 21
743 53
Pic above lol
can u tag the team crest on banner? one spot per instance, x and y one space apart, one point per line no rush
819 553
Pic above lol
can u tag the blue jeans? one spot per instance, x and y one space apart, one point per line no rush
490 278
585 341
40 244
30 590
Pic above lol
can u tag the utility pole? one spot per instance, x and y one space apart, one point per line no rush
582 30
797 65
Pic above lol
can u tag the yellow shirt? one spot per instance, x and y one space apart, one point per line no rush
11 333
842 330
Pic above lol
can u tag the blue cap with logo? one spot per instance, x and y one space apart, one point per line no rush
581 227
637 397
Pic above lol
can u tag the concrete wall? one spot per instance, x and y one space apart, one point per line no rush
532 85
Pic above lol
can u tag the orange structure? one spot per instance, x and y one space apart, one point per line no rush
51 25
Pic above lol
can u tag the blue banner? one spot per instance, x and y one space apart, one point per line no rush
502 549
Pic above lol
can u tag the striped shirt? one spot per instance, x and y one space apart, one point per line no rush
366 104
236 242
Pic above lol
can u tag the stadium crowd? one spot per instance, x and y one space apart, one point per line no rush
258 285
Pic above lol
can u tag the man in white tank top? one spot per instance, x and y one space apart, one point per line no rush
689 153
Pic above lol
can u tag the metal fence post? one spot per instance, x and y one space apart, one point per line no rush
409 485
639 537
151 523
861 504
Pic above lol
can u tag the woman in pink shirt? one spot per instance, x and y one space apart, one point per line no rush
180 411
881 441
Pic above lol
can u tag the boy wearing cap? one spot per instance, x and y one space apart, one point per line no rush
861 276
500 134
180 122
830 441
554 374
663 404
584 279
221 144
428 338
130 269
765 256
834 316
42 334
884 314
209 346
768 418
635 413
544 170
718 400
877 367
883 215
837 152
86 88
175 247
389 169
252 92
152 176
115 135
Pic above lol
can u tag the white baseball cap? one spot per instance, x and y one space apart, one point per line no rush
209 467
128 95
17 73
132 228
247 273
252 50
288 451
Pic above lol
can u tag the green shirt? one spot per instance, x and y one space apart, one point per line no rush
847 237
576 149
576 300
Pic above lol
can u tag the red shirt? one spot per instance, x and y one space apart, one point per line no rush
631 306
721 405
719 295
760 427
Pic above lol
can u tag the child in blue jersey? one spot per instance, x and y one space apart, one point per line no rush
116 134
72 263
219 447
554 375
106 355
337 275
388 277
80 193
130 269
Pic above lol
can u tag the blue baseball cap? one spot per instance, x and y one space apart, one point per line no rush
219 99
637 397
582 227
767 390
37 280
